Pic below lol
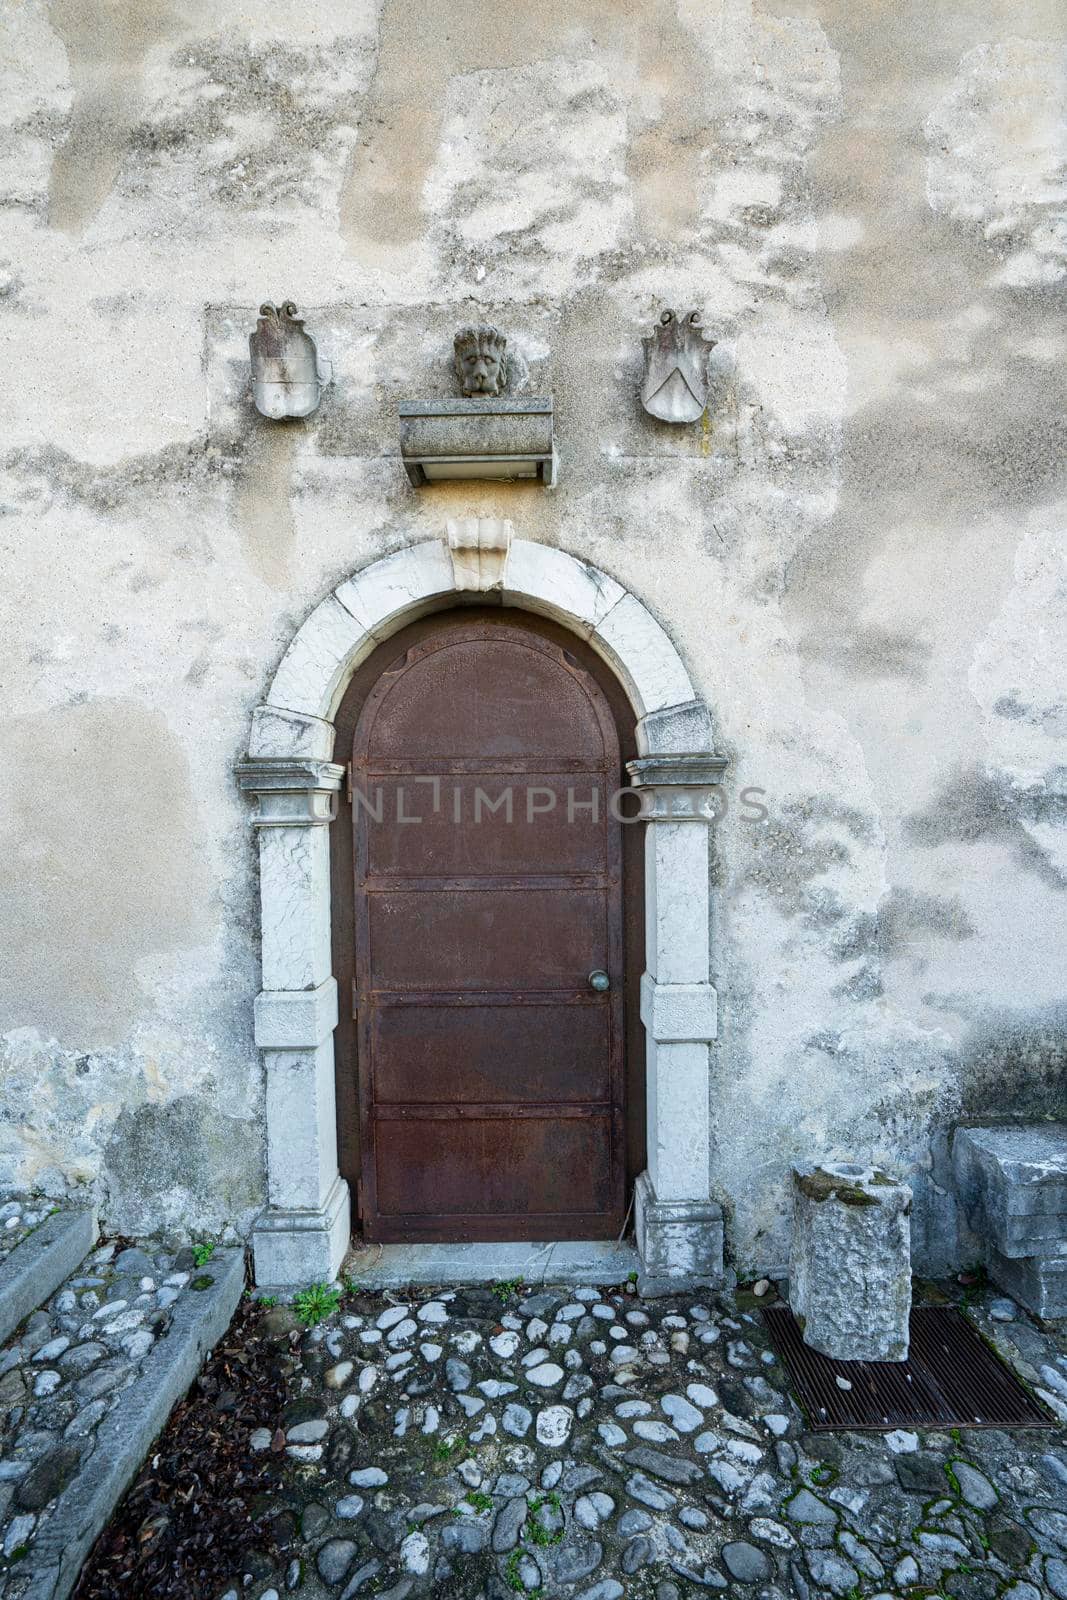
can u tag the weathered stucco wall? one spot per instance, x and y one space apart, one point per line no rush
861 558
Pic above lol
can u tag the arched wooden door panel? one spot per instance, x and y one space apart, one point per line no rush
491 1072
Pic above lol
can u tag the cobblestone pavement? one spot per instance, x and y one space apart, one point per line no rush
592 1445
18 1218
64 1370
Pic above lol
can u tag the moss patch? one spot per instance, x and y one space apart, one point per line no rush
820 1185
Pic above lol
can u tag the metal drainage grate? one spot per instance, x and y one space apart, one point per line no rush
951 1379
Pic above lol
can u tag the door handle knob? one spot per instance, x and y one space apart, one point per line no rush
599 981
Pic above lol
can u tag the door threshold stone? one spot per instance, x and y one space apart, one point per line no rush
393 1266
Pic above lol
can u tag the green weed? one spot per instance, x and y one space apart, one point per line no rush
314 1305
538 1533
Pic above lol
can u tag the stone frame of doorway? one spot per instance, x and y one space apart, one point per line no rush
304 1233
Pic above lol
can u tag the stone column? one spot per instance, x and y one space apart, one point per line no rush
679 1227
304 1233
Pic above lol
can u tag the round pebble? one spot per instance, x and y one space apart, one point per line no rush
554 1425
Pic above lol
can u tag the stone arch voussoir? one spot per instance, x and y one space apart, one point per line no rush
381 598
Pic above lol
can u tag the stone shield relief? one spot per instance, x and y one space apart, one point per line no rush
675 384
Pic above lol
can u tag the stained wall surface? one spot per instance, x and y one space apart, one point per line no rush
859 553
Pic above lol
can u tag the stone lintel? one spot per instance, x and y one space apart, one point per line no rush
677 1013
288 1019
533 405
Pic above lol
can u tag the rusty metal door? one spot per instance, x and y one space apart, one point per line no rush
488 908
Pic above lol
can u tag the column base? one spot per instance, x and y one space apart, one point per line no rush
680 1242
292 1249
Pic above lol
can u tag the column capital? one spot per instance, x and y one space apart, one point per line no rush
690 769
678 788
293 792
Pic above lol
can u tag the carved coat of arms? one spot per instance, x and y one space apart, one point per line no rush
287 372
675 386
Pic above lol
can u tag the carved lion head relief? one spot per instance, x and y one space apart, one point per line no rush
481 360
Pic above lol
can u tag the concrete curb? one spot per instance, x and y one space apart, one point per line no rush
36 1267
125 1436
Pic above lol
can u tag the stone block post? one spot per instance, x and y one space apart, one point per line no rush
1012 1185
303 1234
850 1266
679 1227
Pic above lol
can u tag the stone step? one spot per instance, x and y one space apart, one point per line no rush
116 1356
1037 1282
1012 1185
38 1264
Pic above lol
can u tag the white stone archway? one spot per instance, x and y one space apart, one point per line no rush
303 1234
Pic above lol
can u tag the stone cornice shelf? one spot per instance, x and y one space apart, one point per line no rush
501 437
